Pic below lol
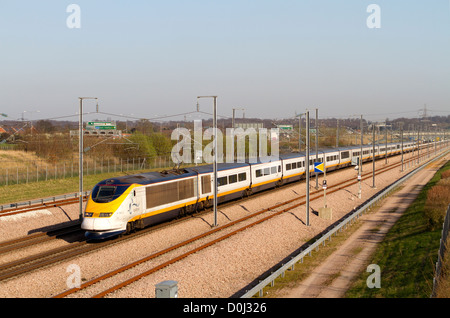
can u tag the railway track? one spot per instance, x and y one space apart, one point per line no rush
38 238
275 210
24 265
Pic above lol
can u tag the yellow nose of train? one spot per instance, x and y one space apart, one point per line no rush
105 199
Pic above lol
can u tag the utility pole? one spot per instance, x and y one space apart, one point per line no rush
373 156
385 141
435 139
362 141
215 153
317 146
324 181
81 150
232 122
401 136
215 159
299 132
233 119
410 134
337 134
418 143
307 167
360 159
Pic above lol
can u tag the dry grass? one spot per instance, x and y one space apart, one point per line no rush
441 197
438 197
446 175
443 289
17 158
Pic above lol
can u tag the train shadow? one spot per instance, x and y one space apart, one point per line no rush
69 231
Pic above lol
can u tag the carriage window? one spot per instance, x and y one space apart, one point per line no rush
222 181
273 170
242 176
258 173
232 179
288 166
294 165
266 171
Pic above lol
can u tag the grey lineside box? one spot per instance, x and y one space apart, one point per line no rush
166 289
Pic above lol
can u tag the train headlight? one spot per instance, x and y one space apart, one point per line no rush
88 214
105 215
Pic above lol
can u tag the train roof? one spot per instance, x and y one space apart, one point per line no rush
292 155
220 167
150 177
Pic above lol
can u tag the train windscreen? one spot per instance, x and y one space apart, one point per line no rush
107 193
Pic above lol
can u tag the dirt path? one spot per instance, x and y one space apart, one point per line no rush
334 276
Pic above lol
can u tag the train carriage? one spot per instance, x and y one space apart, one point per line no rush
293 167
233 181
265 175
332 159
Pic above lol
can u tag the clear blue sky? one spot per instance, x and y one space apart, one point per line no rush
273 58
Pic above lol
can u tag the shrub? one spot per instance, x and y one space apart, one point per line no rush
445 174
438 198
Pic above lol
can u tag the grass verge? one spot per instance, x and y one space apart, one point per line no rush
407 256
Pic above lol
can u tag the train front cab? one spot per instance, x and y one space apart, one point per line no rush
108 199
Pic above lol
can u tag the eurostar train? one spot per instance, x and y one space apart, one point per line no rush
124 204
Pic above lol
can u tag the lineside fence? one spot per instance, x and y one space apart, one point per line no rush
48 200
441 252
33 171
338 227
